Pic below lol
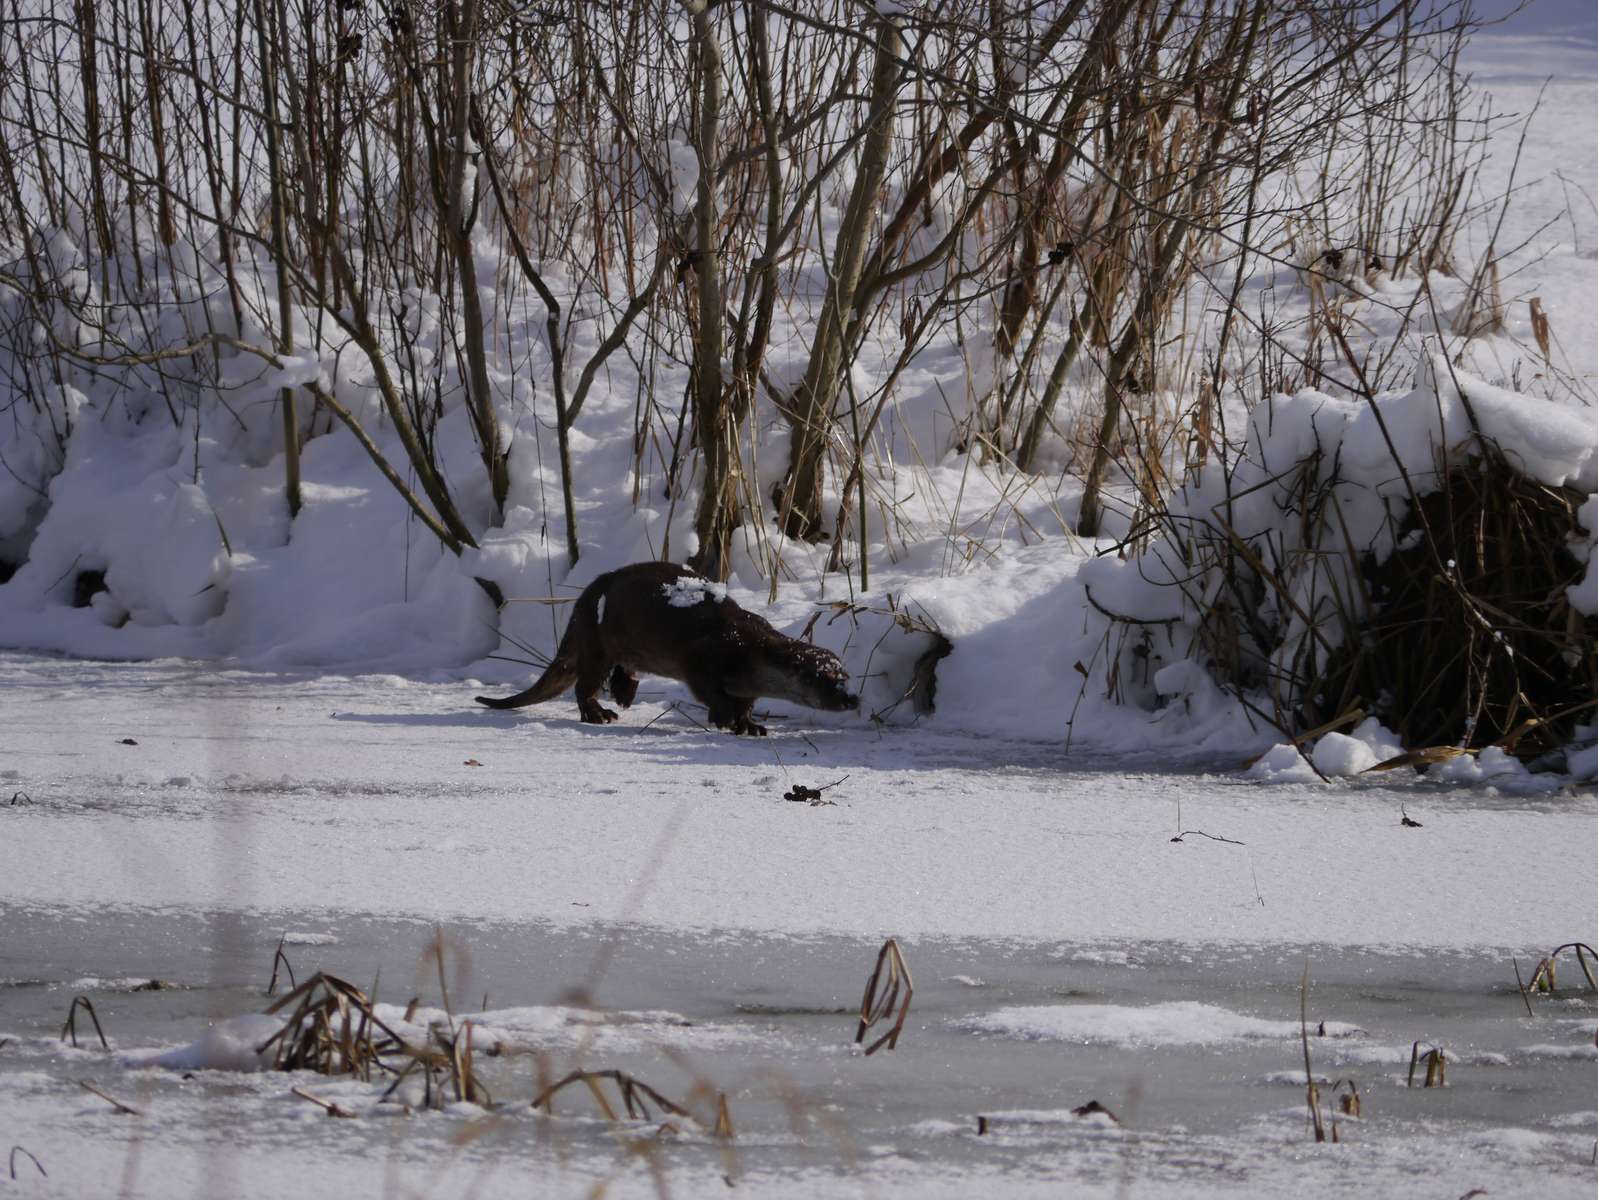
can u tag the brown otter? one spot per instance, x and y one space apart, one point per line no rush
666 620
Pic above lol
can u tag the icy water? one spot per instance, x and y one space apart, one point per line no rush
1161 1035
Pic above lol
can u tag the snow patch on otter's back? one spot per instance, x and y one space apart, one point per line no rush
689 590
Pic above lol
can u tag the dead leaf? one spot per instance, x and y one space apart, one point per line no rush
1539 326
1426 756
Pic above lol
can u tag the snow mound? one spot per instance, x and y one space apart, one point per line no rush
230 1045
1282 763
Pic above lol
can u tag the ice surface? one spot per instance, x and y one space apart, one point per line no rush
1179 1023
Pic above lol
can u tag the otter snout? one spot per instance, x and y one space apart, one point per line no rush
830 689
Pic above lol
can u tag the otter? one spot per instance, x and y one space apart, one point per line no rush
664 619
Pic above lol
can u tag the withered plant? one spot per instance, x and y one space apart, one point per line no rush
1470 640
69 1029
882 997
1435 1059
1544 978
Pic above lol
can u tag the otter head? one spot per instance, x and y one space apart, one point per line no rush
807 675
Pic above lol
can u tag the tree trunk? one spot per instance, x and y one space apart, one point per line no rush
799 497
714 427
285 313
463 198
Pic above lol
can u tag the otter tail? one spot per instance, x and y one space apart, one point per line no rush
562 672
560 675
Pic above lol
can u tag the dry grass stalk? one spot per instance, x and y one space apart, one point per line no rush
1525 998
1347 1100
1425 756
1544 979
1436 1060
280 959
16 1150
636 1096
126 1110
1312 1096
1540 328
1482 310
331 1108
877 1004
69 1029
331 1029
723 1127
1348 1104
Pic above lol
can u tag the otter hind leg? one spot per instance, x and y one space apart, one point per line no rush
592 712
591 675
623 686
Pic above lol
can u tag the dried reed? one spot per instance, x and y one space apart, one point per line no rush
1543 978
1436 1060
69 1028
876 1005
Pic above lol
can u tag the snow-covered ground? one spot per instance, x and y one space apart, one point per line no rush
264 793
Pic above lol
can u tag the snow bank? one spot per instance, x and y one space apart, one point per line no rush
175 517
1255 580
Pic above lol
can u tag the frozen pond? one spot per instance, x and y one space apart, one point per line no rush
642 898
1197 1051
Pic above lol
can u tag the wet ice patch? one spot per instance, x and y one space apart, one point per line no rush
1515 1142
132 983
1399 1056
546 1027
1296 1079
300 938
1587 1050
1108 958
1037 1119
1180 1023
1575 1120
689 590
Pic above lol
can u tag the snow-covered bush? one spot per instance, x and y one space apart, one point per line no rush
1414 555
